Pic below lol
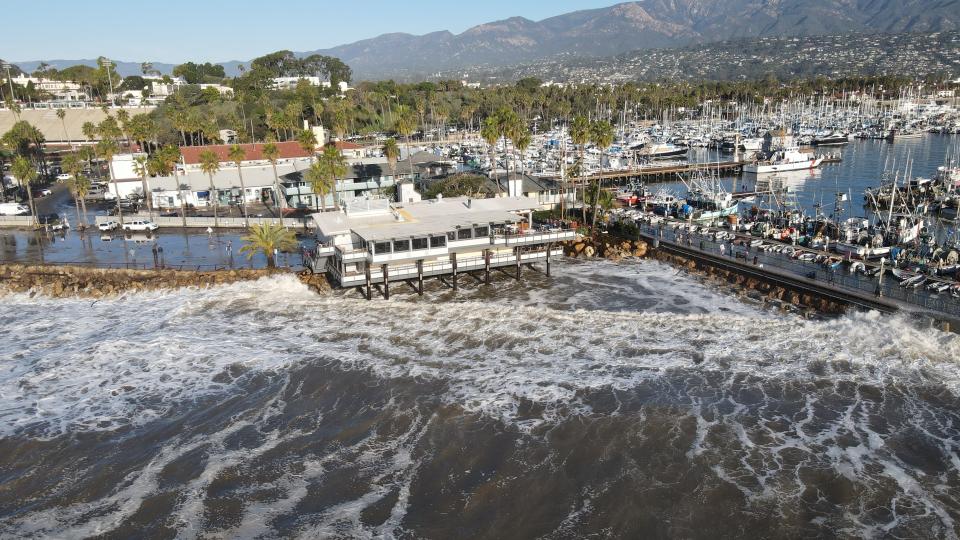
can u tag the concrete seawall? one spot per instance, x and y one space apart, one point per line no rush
61 281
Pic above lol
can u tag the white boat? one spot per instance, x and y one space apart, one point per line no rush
789 159
855 251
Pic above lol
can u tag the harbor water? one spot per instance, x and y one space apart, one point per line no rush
612 400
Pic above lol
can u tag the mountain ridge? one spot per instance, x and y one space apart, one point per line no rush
617 29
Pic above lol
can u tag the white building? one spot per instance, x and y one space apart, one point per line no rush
375 241
60 90
289 83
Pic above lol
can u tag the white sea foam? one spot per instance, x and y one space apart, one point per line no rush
78 365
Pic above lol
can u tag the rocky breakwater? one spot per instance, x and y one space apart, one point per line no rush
60 281
613 248
605 246
757 289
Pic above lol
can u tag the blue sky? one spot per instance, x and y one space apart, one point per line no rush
216 30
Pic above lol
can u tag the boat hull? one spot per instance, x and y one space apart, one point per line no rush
760 168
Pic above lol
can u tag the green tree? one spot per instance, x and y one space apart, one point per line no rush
601 133
392 152
237 155
490 132
268 238
323 174
25 173
73 165
580 135
62 115
404 124
272 152
140 167
106 149
210 165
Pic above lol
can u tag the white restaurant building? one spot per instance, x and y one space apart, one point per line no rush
376 241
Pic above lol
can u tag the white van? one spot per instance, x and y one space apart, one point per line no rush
14 209
140 225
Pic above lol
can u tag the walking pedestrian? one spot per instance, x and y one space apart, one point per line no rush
160 253
156 258
722 249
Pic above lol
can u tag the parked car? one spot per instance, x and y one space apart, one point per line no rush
108 225
140 225
14 209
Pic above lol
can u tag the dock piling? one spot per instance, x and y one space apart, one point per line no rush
420 277
366 272
453 261
486 267
385 272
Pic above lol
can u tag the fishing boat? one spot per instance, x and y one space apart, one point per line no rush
706 200
782 154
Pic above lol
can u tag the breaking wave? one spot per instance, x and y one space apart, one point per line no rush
260 409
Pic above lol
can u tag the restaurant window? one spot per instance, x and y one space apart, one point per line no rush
451 235
481 231
381 247
438 241
419 243
464 234
401 245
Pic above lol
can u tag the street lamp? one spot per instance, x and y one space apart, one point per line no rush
6 66
107 64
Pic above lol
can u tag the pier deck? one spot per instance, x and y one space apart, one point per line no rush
655 172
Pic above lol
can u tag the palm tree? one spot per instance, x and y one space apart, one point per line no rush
272 152
210 165
509 126
107 148
601 132
599 199
80 184
320 184
164 163
392 152
490 133
26 173
266 238
236 155
580 134
140 167
323 174
404 124
62 115
521 141
308 142
73 165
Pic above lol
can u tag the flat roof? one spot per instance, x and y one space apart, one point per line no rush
423 218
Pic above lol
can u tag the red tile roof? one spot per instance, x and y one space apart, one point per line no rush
345 145
289 149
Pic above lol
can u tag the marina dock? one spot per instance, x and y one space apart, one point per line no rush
657 172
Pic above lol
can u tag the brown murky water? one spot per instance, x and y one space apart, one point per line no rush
611 401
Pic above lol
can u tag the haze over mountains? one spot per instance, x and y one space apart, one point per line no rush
618 29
